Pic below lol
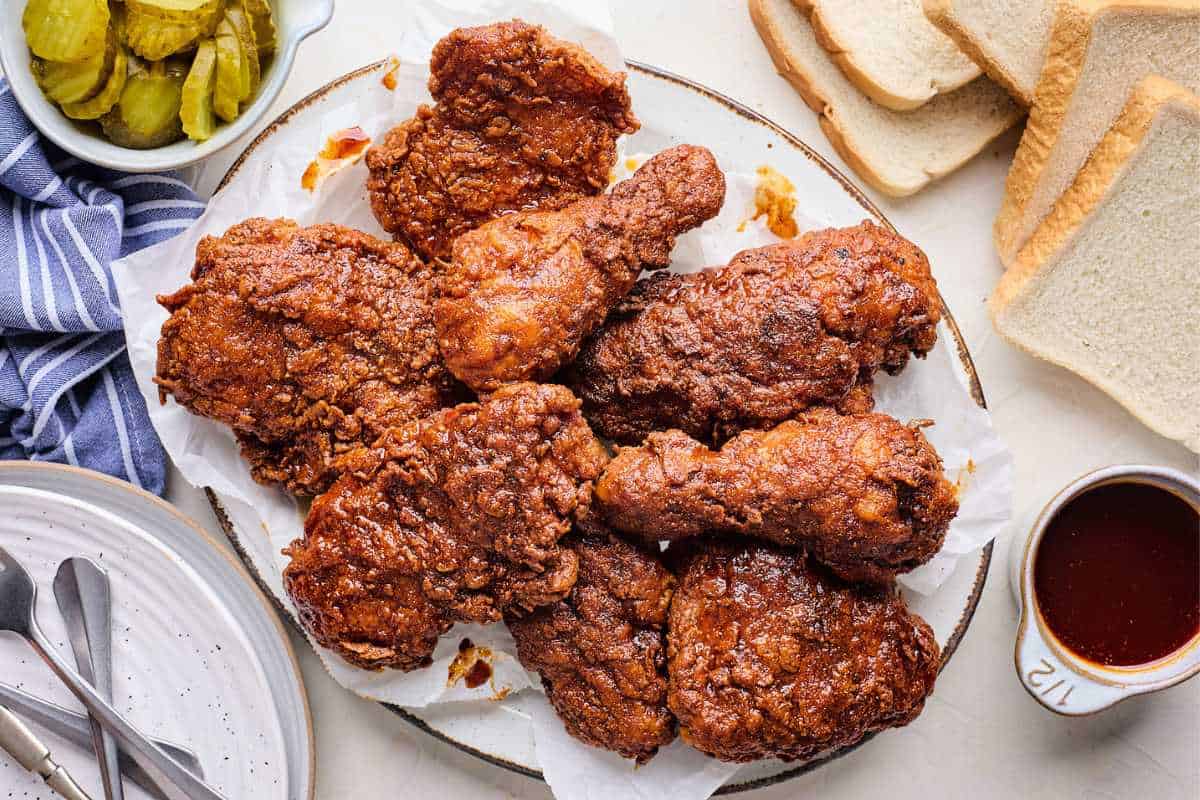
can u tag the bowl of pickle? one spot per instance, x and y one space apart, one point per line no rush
151 85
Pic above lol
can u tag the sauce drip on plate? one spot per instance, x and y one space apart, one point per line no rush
472 665
1117 574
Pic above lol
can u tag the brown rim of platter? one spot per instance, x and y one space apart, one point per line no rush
750 115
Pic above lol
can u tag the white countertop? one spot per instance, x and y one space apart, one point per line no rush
980 734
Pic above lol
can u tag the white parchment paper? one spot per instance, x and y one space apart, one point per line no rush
206 453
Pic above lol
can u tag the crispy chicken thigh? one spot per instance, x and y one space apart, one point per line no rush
522 121
780 329
864 494
456 517
600 651
522 292
773 657
308 342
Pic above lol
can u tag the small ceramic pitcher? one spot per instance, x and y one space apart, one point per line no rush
1053 675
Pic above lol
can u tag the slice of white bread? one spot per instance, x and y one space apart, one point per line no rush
889 50
898 153
1007 38
1098 50
1109 285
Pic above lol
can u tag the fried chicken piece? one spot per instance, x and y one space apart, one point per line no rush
600 651
308 342
864 494
771 656
522 121
455 517
780 329
523 291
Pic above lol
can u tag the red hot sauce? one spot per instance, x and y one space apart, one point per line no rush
1117 574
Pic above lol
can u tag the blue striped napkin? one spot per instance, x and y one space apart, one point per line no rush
67 392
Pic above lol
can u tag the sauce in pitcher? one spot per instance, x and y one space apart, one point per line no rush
1117 574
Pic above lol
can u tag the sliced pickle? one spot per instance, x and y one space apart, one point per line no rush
117 25
147 115
263 22
76 81
228 92
252 70
196 103
153 36
65 30
183 12
153 39
108 96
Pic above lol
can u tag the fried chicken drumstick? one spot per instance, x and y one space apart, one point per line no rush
600 651
772 657
780 329
522 292
308 342
522 121
864 494
456 517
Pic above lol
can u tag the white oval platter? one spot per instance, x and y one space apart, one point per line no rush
673 110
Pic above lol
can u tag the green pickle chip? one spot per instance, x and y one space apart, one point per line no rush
76 81
263 22
154 35
147 115
196 104
185 12
252 75
154 39
65 30
108 96
228 92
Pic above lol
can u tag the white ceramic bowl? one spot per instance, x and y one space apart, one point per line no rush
295 20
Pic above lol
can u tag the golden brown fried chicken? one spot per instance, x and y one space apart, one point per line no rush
522 121
600 650
306 341
523 291
864 494
780 329
452 518
771 657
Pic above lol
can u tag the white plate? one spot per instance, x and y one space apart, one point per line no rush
673 110
198 658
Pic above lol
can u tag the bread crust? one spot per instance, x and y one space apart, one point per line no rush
1070 37
941 14
1070 214
862 78
835 131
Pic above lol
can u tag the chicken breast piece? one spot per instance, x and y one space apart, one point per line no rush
864 494
522 292
773 657
521 121
456 517
308 342
600 651
778 330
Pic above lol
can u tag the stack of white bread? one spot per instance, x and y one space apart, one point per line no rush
1099 229
898 99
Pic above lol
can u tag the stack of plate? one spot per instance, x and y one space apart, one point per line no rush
199 657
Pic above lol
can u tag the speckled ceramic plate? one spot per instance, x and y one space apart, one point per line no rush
199 656
673 110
